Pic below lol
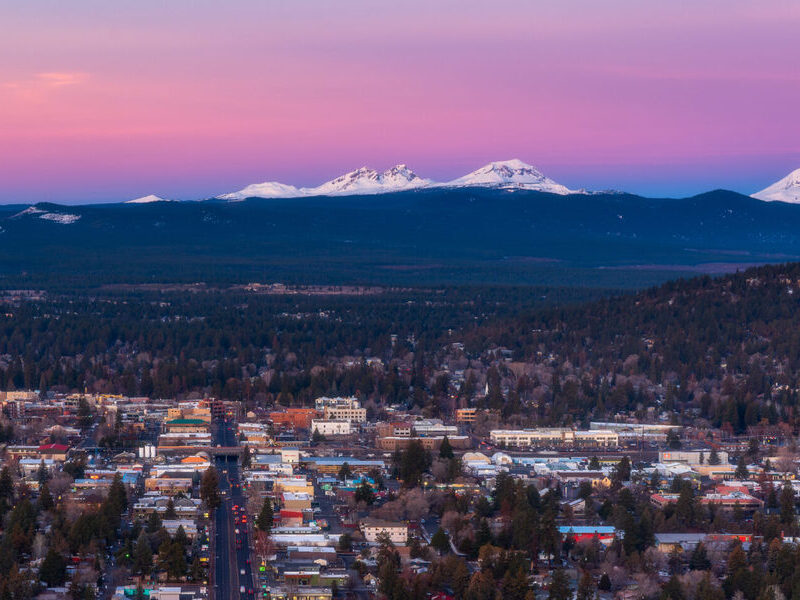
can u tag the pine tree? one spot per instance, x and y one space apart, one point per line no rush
266 516
153 522
713 457
585 587
209 488
446 450
365 494
45 498
170 513
54 569
142 555
699 560
440 541
741 469
559 586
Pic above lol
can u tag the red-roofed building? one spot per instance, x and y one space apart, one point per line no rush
57 452
291 518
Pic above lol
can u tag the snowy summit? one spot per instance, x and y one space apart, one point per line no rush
509 174
369 181
785 190
148 200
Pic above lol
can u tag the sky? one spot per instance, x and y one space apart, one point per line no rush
106 101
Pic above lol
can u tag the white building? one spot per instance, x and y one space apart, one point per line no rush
331 427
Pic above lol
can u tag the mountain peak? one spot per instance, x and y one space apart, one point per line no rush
785 190
370 181
148 199
268 189
512 174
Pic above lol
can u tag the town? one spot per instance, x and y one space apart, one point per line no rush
115 497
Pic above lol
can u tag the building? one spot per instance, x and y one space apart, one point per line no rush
691 457
554 436
331 465
187 426
190 410
466 415
434 428
296 501
374 528
341 409
393 443
603 533
330 427
297 418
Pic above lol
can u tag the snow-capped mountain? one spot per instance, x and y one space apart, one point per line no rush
369 181
509 174
148 199
785 190
512 174
268 189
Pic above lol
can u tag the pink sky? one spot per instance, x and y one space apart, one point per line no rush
104 101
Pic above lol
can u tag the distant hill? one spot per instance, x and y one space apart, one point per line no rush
425 236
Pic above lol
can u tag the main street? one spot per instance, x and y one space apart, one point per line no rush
232 564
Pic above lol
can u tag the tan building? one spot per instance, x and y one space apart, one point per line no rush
373 528
187 426
393 443
354 415
189 412
554 436
466 415
168 485
296 501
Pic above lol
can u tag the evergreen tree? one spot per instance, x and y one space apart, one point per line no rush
266 516
559 586
446 450
209 488
741 469
153 522
54 569
344 472
585 587
672 590
699 560
605 583
45 498
440 541
713 457
365 494
170 513
142 555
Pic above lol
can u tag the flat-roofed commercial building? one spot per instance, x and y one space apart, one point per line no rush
554 436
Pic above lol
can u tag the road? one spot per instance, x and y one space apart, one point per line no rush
232 551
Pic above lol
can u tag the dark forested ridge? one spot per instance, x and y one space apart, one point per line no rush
423 237
724 350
